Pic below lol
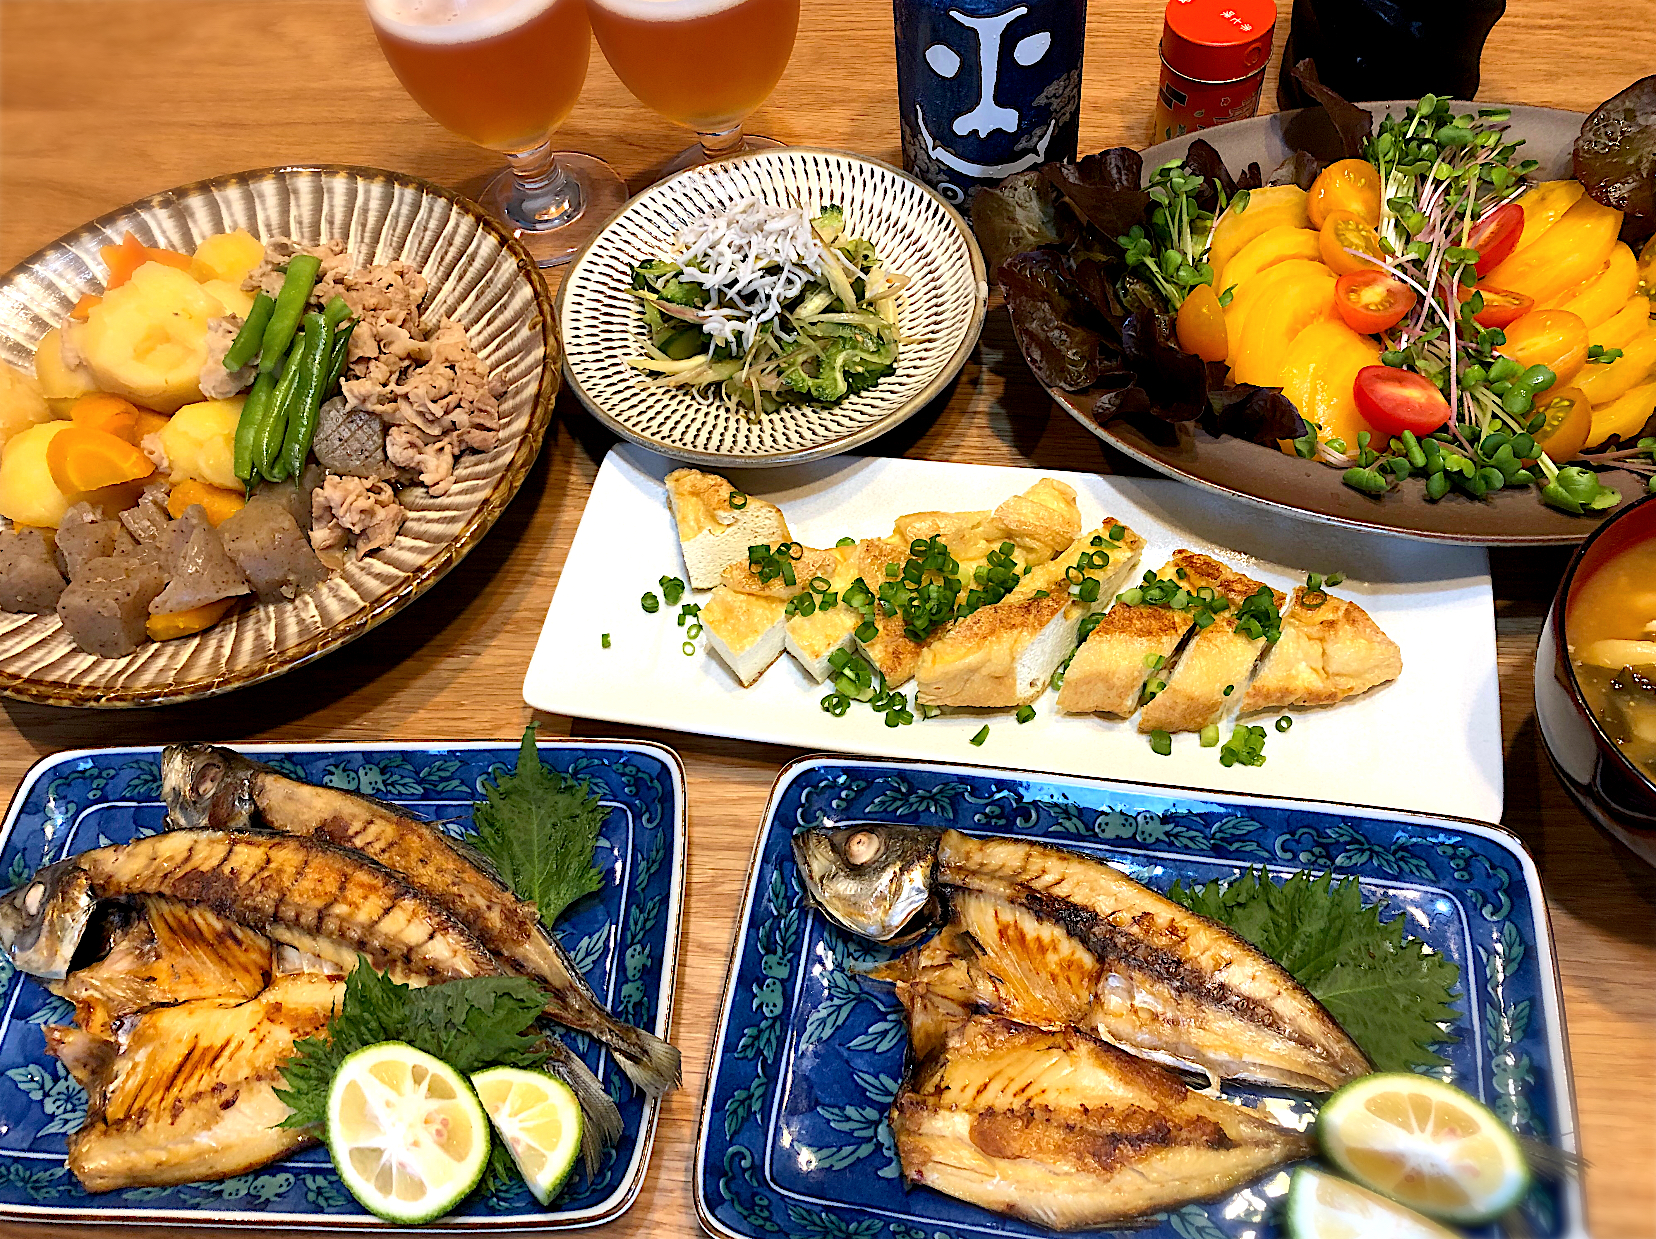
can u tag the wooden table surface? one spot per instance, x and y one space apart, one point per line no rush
102 101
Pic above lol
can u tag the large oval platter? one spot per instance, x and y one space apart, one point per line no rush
916 232
477 274
1270 479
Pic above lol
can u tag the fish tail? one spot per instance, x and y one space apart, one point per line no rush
601 1126
650 1063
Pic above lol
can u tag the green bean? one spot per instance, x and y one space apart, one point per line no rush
251 335
272 431
288 310
247 428
319 349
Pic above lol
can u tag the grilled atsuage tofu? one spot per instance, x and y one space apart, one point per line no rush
814 639
1064 1130
712 533
1108 672
892 652
1004 654
1218 657
744 630
745 579
1328 651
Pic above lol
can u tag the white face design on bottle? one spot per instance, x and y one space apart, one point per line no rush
988 115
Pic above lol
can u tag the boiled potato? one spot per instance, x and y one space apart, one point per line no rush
230 296
27 493
21 403
147 339
61 383
200 442
229 256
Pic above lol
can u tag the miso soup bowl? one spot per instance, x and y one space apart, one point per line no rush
1609 788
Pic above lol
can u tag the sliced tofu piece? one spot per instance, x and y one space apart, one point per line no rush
814 639
1217 658
1328 651
744 630
1039 523
712 533
1004 654
1109 670
893 653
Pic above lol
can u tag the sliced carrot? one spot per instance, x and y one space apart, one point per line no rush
186 623
219 504
83 307
125 258
115 415
150 422
89 459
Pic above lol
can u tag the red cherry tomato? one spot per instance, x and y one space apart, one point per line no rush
1372 301
1496 235
1393 401
1500 308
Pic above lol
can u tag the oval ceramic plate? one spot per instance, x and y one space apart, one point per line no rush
916 233
477 274
1258 475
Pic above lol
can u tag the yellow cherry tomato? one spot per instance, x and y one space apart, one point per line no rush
1343 232
1201 324
1350 185
1569 418
1556 339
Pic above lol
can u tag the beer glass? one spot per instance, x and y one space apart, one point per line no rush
704 64
504 74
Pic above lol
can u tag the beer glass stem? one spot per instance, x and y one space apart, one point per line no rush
724 142
539 195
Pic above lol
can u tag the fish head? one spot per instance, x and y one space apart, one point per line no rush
872 879
206 787
43 921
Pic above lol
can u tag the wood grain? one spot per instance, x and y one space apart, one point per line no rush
105 100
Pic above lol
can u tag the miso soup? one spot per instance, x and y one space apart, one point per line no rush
1612 636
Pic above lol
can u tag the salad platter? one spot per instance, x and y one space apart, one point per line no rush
810 1052
1260 475
624 939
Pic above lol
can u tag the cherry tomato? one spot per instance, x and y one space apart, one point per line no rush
1201 324
1350 185
1343 231
1499 306
1372 301
1496 235
1393 401
1556 339
1569 420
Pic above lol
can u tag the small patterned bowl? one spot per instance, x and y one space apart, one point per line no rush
477 275
916 233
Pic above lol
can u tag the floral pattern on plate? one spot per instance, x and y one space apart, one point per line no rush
624 938
794 1137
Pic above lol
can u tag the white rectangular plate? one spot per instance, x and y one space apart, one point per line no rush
1442 714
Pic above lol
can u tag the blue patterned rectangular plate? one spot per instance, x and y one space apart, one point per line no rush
625 937
794 1139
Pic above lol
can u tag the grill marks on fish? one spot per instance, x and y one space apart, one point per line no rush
305 892
204 785
1058 1128
1067 940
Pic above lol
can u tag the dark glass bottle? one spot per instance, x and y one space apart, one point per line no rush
1388 49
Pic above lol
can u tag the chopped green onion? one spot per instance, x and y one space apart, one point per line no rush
605 639
1284 723
1161 742
867 631
650 602
689 648
738 500
981 736
1025 713
1210 735
1117 532
846 542
694 631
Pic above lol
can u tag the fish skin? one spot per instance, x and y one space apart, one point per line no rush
1070 940
872 879
1066 1131
327 900
205 786
188 1093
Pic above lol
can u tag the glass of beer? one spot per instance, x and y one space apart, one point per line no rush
505 74
704 64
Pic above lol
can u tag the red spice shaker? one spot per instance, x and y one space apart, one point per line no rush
1213 56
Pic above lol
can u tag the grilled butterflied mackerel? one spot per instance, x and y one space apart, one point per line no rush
206 787
1064 1130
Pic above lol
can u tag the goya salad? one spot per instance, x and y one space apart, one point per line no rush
763 306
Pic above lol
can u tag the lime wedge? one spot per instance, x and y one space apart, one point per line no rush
1323 1207
539 1120
1425 1144
405 1132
